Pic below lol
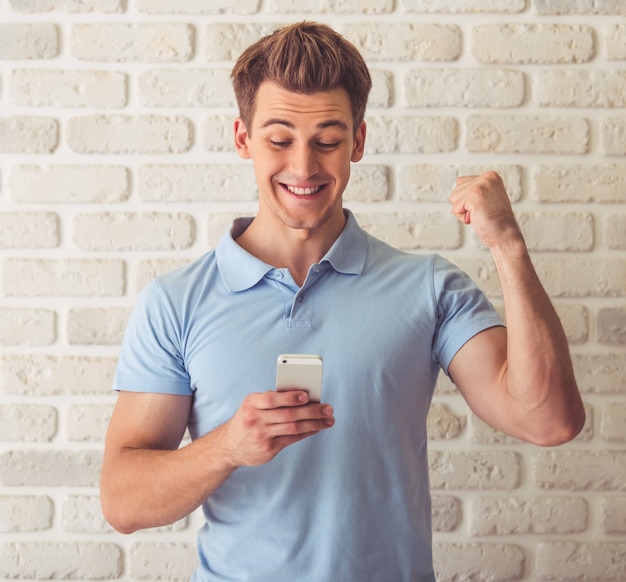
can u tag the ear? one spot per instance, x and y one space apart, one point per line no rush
359 143
241 139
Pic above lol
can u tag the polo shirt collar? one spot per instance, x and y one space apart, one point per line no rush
240 270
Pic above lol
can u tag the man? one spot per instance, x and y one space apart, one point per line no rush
297 490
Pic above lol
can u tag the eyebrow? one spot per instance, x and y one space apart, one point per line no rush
322 125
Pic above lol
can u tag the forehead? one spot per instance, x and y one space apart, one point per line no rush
275 104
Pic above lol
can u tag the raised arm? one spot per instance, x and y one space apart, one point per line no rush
148 481
518 379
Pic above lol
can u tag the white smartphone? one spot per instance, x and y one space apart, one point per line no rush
300 372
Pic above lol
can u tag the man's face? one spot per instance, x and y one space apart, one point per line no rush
301 147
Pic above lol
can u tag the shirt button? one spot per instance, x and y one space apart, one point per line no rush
300 298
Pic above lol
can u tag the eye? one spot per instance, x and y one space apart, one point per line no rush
279 144
328 146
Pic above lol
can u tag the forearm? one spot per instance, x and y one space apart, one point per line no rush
143 488
539 377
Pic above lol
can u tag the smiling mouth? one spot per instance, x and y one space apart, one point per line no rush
303 191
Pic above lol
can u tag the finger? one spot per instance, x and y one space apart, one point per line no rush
465 179
299 428
274 399
295 414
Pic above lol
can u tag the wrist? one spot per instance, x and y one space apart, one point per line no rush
512 248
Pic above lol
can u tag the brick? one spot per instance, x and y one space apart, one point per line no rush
63 277
23 41
96 326
61 560
494 470
582 277
186 88
219 222
67 88
613 422
615 39
226 41
574 88
579 183
600 373
613 515
130 42
162 561
480 432
50 468
557 231
197 6
446 513
613 136
444 385
413 230
25 513
434 183
132 231
527 134
405 41
126 134
615 231
603 470
368 183
332 6
217 133
382 94
37 375
443 424
561 277
463 6
500 516
88 422
105 6
484 274
27 327
411 135
493 562
579 7
467 87
29 230
532 43
575 322
60 184
27 423
82 514
28 135
611 323
197 183
148 269
568 561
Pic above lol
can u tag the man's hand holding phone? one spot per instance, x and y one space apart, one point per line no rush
266 423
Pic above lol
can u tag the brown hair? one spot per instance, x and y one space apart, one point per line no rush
306 58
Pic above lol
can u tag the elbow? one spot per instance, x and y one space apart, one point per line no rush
118 522
562 432
116 517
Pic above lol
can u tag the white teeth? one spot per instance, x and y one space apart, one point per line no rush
303 191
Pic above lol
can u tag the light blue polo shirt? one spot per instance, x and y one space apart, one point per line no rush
351 503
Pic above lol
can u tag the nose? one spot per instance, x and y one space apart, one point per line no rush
304 163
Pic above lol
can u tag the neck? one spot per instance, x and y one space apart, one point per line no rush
291 248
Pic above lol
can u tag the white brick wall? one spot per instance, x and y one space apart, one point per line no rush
116 164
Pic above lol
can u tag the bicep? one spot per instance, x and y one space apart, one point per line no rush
143 420
478 370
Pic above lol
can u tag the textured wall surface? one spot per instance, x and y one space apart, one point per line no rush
116 163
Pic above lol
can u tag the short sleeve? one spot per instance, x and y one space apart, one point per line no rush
151 356
462 311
